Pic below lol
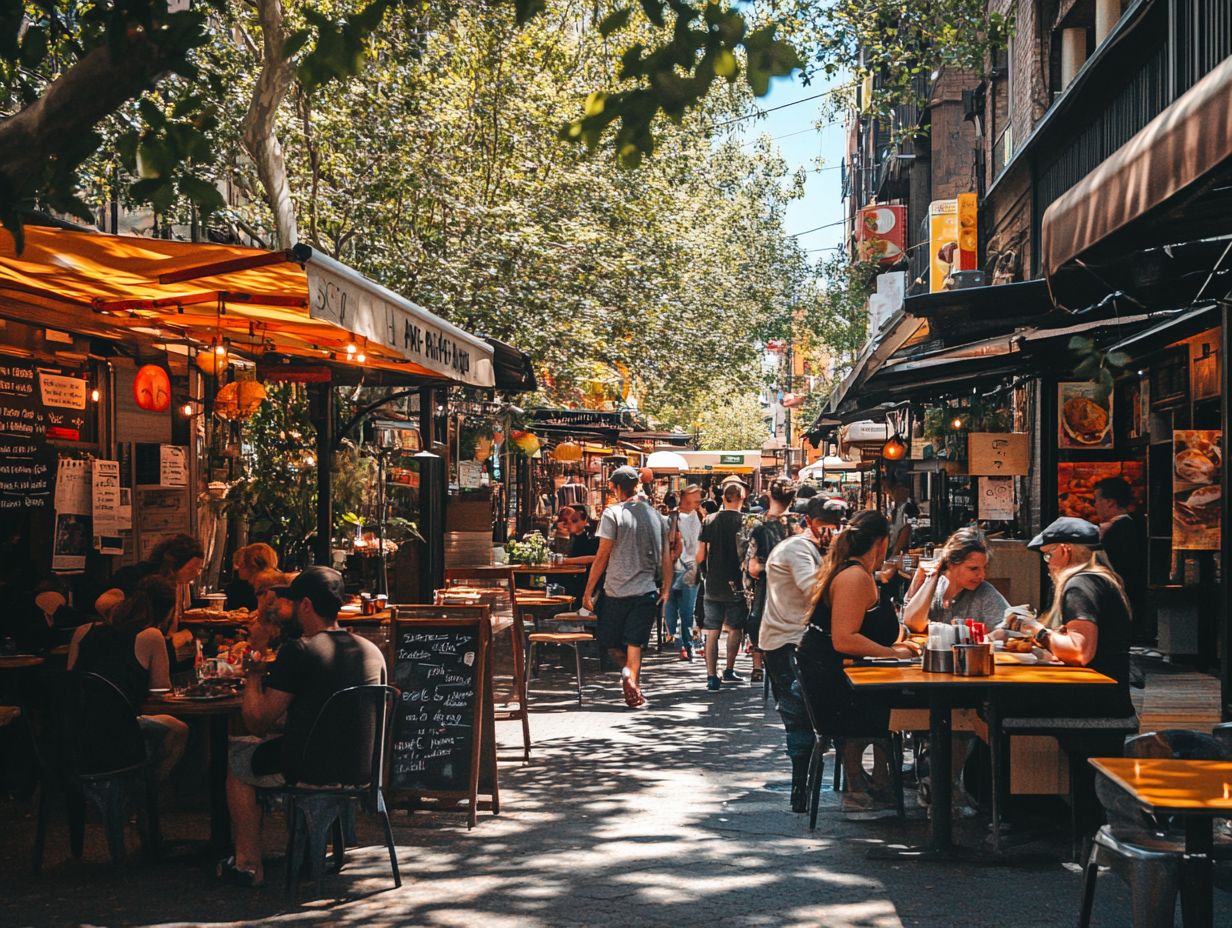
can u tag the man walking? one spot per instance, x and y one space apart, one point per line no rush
724 604
633 548
790 575
682 598
763 538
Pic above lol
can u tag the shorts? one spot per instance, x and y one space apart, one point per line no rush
626 621
724 615
257 761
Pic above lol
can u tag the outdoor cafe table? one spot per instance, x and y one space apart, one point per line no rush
1197 791
906 683
219 712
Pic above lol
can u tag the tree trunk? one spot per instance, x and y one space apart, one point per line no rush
97 85
261 121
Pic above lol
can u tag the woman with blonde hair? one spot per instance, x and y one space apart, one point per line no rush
851 619
1088 623
247 562
955 586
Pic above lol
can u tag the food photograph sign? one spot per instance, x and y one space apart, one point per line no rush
1084 417
1197 462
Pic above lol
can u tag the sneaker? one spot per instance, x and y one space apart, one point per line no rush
686 654
712 684
227 871
730 676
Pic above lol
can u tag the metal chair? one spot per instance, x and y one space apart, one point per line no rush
345 751
822 740
94 750
1143 850
566 639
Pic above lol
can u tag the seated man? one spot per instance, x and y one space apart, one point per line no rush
309 670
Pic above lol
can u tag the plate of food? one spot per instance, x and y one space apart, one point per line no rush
1198 464
201 692
1200 506
1085 421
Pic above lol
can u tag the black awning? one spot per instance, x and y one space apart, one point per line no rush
982 312
1182 325
511 367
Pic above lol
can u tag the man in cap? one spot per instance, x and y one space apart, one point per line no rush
308 671
635 554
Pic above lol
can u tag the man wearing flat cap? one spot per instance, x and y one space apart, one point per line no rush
309 670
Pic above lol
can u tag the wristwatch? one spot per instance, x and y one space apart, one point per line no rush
1041 638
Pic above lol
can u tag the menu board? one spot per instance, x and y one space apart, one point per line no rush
1197 496
25 459
443 715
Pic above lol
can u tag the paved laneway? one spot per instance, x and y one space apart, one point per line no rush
660 817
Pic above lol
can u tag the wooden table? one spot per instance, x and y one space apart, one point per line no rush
1197 791
20 661
549 568
945 691
219 712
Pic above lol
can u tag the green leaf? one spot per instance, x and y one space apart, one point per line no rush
1080 344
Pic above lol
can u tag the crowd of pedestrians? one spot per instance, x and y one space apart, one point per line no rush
802 587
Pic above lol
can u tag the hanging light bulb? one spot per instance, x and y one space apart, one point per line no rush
187 410
361 357
957 423
351 349
894 449
95 395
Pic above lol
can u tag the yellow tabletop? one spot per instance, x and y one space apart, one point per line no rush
1174 787
913 677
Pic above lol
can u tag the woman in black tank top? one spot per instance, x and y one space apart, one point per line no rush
851 620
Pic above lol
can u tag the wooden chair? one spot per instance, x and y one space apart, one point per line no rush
564 639
506 714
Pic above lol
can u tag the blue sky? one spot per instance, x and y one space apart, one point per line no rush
821 204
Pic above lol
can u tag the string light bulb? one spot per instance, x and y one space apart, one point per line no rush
361 357
351 349
95 395
957 423
187 410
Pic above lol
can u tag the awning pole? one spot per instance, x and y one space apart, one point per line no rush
1225 534
321 402
432 489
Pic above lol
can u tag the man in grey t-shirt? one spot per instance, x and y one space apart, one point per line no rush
634 552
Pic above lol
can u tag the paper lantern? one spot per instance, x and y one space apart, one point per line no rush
526 442
152 388
894 449
567 452
239 399
213 361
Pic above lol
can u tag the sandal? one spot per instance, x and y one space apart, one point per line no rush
633 695
228 871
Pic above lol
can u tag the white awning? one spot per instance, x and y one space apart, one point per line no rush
344 297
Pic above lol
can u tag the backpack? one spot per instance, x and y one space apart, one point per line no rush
755 587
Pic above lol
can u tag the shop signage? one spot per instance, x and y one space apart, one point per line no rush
881 234
593 418
953 239
26 460
996 503
737 459
1197 496
382 317
1003 454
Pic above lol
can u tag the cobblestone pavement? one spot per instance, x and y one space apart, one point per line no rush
658 817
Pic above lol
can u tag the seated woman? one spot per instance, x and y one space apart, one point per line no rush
179 560
1088 624
273 613
850 619
128 650
247 562
955 588
583 546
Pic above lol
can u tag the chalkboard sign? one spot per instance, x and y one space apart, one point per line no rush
35 404
442 728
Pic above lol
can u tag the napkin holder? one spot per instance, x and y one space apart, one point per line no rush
937 660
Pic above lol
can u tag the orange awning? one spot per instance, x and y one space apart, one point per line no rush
165 290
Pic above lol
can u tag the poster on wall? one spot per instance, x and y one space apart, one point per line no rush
105 507
1197 465
1076 485
71 539
996 499
1084 417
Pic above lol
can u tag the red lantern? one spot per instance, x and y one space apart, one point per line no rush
152 388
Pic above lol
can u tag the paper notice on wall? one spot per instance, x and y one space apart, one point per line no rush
172 466
124 514
105 506
996 499
62 392
71 540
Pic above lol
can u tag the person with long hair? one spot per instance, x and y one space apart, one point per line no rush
178 559
1088 623
127 649
247 562
850 619
955 587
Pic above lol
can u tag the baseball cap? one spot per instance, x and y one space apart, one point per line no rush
322 586
626 477
731 478
1067 531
